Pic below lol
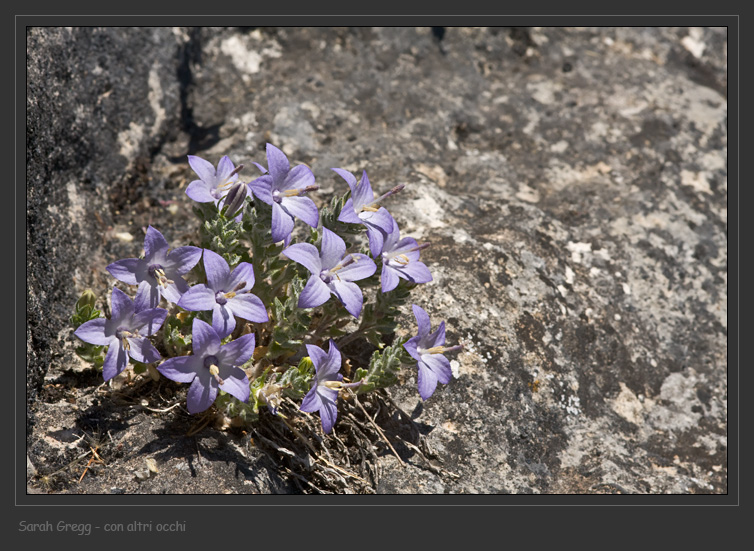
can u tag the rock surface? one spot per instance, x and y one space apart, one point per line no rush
572 183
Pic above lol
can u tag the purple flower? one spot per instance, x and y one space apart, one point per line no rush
363 208
212 366
326 384
333 272
428 349
213 184
160 270
400 258
283 188
226 294
125 332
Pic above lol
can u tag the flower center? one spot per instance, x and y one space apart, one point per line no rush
123 334
225 184
278 195
439 349
221 297
395 259
158 273
339 385
210 362
400 259
327 276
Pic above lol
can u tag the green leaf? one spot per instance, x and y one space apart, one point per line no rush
383 368
291 323
296 381
176 332
84 309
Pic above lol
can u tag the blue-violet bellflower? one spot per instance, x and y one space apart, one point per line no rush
284 189
428 349
125 333
333 272
211 367
160 270
226 294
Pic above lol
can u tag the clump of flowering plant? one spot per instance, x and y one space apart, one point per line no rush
245 312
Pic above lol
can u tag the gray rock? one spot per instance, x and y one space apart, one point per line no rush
572 183
100 103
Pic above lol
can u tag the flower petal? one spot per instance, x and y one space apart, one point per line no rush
141 350
125 270
411 346
198 298
332 249
94 332
376 240
438 337
151 295
205 339
224 168
439 365
237 352
203 169
422 320
347 176
174 291
328 413
217 270
235 382
392 237
305 254
223 320
299 177
260 167
155 245
318 356
116 361
311 402
249 307
199 192
348 214
181 369
404 246
362 194
282 223
427 381
181 260
416 272
389 278
242 273
362 268
201 393
381 219
278 165
302 208
316 293
350 295
122 306
260 188
148 322
142 300
332 365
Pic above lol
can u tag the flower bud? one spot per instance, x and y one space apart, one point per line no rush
234 200
306 364
88 298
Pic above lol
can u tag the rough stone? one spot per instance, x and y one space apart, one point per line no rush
572 183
